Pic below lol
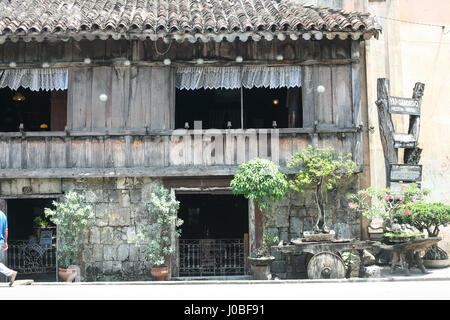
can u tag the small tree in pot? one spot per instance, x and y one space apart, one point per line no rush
73 217
156 237
320 168
427 217
261 181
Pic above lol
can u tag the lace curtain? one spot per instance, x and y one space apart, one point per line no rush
191 78
35 79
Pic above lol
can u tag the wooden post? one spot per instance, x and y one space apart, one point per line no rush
414 120
386 125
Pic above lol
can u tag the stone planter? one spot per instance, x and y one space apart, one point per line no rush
261 267
436 263
392 239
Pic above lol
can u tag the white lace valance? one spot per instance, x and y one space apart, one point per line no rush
192 78
35 79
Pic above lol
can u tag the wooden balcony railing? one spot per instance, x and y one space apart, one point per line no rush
159 153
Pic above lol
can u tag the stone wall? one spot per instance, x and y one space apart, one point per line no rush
119 205
297 213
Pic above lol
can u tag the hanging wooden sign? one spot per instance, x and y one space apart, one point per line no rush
404 106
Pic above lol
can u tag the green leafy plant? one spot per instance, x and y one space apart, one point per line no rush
156 237
40 222
385 204
74 217
320 168
261 181
427 217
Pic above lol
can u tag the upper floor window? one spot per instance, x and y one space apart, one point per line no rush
33 99
238 97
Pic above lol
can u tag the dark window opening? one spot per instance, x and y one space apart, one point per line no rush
208 216
36 110
24 217
217 108
214 107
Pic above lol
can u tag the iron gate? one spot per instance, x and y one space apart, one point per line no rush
211 257
26 257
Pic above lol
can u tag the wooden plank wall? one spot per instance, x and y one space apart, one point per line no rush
142 97
138 97
142 151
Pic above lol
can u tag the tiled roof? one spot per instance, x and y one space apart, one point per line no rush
179 19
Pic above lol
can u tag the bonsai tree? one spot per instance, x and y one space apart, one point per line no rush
427 217
320 169
73 217
155 236
261 181
385 204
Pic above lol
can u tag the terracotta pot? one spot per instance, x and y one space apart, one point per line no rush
67 275
160 273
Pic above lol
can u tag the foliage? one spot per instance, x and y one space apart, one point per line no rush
425 216
268 241
385 204
318 168
40 222
73 216
156 237
261 181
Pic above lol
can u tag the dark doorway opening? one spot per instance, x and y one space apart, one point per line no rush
31 239
214 235
209 216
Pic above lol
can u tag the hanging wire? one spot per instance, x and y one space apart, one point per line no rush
419 23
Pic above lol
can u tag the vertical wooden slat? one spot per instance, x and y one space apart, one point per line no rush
323 100
342 96
138 115
101 84
308 97
80 90
120 91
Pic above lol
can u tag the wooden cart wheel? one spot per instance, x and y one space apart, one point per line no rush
326 265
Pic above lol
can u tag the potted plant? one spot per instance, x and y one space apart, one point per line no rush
155 236
320 169
73 217
429 217
385 204
261 181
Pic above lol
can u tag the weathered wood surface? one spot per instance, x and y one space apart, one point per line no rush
326 265
148 52
386 125
330 246
136 98
414 120
178 148
400 105
406 255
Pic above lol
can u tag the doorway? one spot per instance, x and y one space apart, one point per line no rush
31 239
214 235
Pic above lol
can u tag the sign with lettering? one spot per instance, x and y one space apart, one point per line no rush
404 106
406 173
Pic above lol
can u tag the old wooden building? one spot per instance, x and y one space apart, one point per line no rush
113 97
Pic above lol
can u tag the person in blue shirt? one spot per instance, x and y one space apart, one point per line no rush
11 274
